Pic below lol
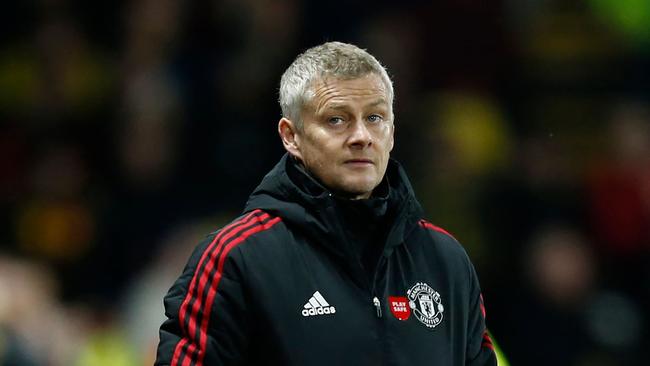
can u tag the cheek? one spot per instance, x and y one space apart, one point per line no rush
314 153
387 142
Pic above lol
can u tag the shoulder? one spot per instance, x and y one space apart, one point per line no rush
224 244
442 243
427 225
244 227
239 230
438 235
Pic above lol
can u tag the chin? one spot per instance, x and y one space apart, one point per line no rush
359 188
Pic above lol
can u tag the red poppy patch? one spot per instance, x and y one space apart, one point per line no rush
399 306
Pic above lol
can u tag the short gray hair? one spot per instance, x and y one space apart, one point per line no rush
331 59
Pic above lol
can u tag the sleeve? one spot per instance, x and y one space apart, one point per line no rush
480 351
207 319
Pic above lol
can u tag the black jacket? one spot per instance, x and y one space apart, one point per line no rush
294 281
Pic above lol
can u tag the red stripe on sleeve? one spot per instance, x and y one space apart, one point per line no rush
205 274
488 345
482 306
428 225
177 351
212 292
191 348
190 292
487 341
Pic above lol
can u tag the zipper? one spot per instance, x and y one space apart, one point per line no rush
373 286
380 323
380 262
377 304
370 282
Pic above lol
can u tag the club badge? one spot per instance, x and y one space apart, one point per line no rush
399 306
426 304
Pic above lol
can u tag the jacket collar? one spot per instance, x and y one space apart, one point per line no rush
303 203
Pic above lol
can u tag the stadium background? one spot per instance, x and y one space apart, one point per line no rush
131 129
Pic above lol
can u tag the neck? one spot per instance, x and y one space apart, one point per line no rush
352 196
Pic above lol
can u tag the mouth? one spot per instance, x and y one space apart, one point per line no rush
359 162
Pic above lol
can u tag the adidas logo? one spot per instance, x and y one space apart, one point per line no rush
317 305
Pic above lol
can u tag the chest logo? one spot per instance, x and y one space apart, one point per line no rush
399 306
317 305
426 304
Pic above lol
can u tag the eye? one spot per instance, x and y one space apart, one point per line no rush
335 120
374 118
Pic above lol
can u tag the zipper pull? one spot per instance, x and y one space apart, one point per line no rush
375 302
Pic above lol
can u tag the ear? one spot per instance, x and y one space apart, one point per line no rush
290 137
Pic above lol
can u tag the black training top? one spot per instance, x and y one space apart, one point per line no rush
306 278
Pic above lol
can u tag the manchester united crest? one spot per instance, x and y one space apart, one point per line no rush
426 304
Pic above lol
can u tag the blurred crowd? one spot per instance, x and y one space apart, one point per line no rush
130 129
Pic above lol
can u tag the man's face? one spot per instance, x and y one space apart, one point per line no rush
347 134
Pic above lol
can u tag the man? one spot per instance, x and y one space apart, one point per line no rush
331 262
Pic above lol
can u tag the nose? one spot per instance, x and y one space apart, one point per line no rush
360 137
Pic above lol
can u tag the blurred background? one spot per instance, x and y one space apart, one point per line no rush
130 129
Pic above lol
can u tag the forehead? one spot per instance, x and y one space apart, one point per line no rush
331 89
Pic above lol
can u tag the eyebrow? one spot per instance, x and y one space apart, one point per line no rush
344 106
378 102
337 107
